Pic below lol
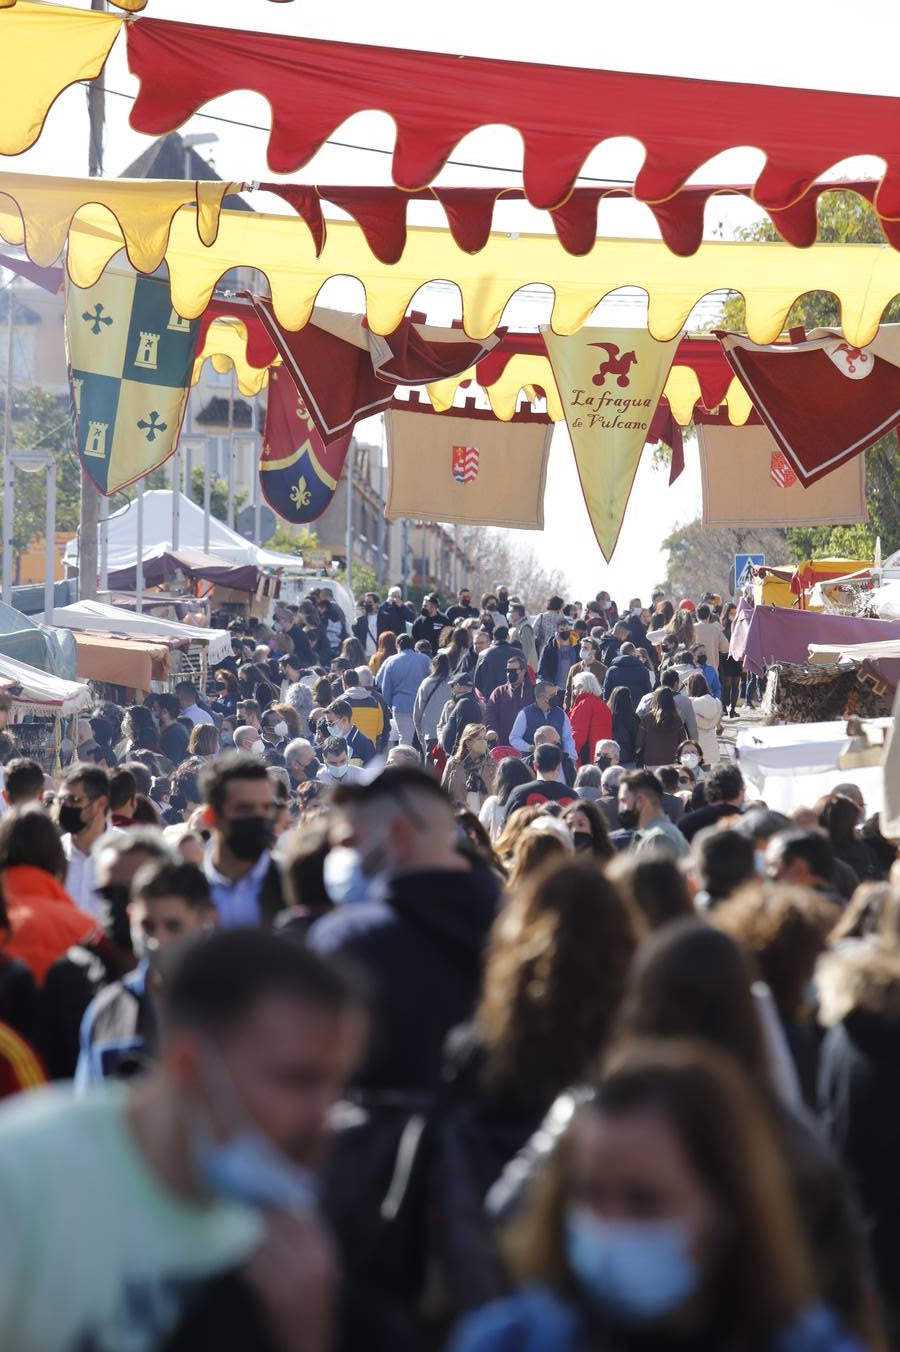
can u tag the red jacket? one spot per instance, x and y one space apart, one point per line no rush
591 723
43 919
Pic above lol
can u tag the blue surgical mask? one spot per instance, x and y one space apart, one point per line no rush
345 877
333 730
248 1168
638 1271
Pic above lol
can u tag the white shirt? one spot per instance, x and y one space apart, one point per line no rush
80 874
352 776
198 715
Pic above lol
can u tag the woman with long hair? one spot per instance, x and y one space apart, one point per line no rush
654 884
227 693
730 669
708 713
511 772
692 981
288 714
387 647
590 833
429 702
839 817
352 649
545 840
625 725
470 772
459 650
661 730
665 1221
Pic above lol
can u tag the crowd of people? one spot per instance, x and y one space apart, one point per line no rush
431 979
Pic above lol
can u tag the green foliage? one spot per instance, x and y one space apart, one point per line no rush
701 557
218 495
41 422
291 540
361 580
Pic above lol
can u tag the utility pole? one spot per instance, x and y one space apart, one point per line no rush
90 498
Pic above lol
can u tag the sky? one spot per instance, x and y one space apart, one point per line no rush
789 42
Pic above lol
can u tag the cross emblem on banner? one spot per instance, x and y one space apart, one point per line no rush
152 427
97 318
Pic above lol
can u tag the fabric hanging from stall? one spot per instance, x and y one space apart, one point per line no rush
298 473
610 381
741 490
466 467
824 400
130 358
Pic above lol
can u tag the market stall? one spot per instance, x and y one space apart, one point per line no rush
793 765
40 705
202 647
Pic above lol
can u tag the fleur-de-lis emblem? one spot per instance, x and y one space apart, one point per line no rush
300 494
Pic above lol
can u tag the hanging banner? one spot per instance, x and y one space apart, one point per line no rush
465 466
298 473
609 381
130 358
743 485
824 400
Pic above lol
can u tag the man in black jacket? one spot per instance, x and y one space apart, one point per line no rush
431 623
490 671
395 614
466 709
421 933
463 610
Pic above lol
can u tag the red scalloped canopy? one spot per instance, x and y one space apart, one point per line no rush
562 113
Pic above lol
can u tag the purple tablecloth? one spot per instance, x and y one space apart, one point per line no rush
777 634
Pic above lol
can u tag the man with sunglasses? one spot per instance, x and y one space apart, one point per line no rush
508 700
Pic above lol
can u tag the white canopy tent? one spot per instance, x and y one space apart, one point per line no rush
38 693
224 543
97 617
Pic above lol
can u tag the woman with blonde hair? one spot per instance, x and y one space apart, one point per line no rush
204 740
387 647
470 772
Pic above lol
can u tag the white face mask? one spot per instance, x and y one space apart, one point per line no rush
258 747
690 760
586 654
280 729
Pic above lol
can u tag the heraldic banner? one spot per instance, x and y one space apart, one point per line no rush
298 473
466 466
609 381
746 484
130 359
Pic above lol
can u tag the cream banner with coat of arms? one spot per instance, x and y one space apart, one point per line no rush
609 382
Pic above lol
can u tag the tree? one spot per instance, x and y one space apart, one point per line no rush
844 218
701 557
40 422
218 495
497 558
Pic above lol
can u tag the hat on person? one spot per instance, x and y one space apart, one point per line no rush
686 605
463 677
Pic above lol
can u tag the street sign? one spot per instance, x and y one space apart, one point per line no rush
742 565
245 523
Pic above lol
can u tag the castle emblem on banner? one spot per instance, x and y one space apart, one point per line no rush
464 464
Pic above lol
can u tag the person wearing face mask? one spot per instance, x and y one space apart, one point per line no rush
641 812
196 1182
301 762
668 1222
119 1032
249 740
470 773
588 660
365 626
559 654
508 700
339 723
83 818
463 609
240 811
336 767
492 667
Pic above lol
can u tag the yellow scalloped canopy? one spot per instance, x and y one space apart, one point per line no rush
146 218
43 50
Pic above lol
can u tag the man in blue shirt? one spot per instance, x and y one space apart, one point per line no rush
240 810
398 680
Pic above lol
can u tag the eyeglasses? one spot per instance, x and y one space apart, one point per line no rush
685 781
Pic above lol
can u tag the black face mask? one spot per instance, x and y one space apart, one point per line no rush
70 819
514 677
369 608
248 837
584 842
603 762
628 818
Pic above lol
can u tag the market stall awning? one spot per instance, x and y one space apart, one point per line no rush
160 563
776 634
39 693
88 616
132 662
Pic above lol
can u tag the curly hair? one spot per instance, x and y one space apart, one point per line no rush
556 969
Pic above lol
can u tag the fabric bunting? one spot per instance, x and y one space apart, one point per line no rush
740 491
464 466
345 372
43 50
381 213
298 473
610 381
562 113
769 276
130 357
824 400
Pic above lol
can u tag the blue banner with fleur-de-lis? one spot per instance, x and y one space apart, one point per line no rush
298 473
130 360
